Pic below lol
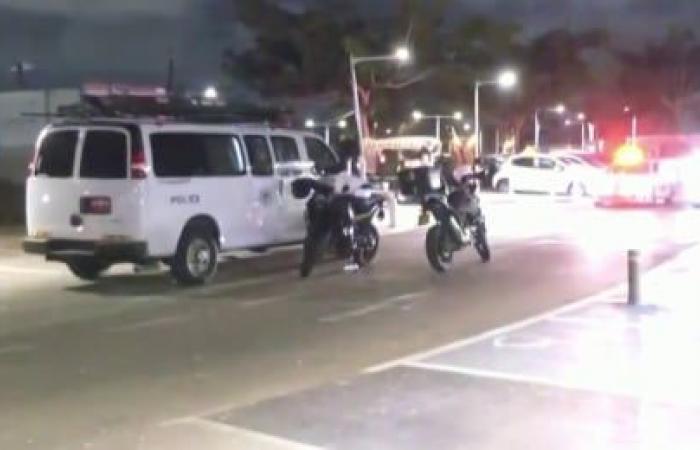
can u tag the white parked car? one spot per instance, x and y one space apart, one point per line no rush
107 191
549 173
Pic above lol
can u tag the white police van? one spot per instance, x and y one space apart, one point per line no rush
108 191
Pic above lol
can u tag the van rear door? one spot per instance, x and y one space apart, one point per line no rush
80 186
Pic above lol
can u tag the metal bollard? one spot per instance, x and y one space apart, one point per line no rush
392 202
632 277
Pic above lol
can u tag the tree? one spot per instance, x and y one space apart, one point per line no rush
663 77
293 53
553 70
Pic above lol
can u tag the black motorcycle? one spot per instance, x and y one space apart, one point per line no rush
338 221
459 224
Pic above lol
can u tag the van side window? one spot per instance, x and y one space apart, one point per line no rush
547 163
524 162
104 155
322 156
286 149
56 154
196 155
259 155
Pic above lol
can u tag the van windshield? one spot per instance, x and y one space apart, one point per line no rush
56 154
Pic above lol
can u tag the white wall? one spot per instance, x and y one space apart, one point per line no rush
18 133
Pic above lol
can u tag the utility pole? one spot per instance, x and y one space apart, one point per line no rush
170 82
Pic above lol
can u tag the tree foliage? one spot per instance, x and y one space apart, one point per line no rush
305 52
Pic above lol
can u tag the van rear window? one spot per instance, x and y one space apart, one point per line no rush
196 155
105 155
56 154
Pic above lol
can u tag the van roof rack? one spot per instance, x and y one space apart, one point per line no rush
174 110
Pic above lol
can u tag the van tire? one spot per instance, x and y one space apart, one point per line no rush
88 269
195 262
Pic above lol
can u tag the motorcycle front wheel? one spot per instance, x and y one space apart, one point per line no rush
438 249
367 245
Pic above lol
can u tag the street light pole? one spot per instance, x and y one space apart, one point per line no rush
418 116
402 55
628 110
356 101
506 80
477 123
537 129
559 109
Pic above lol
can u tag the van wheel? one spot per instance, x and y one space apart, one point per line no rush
88 269
195 262
503 186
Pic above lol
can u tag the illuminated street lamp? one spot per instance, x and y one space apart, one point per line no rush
557 109
402 54
581 117
210 93
457 116
505 80
467 126
339 122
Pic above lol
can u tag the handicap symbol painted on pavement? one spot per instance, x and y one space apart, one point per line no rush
522 342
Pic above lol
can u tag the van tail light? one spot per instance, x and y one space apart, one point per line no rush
139 169
95 205
31 165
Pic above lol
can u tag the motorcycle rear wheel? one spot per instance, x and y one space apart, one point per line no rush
368 246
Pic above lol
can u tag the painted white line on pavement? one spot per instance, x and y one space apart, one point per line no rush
606 294
237 284
150 323
594 322
522 343
16 348
488 334
248 304
27 271
369 309
250 436
530 379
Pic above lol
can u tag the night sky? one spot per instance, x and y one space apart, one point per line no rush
72 40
